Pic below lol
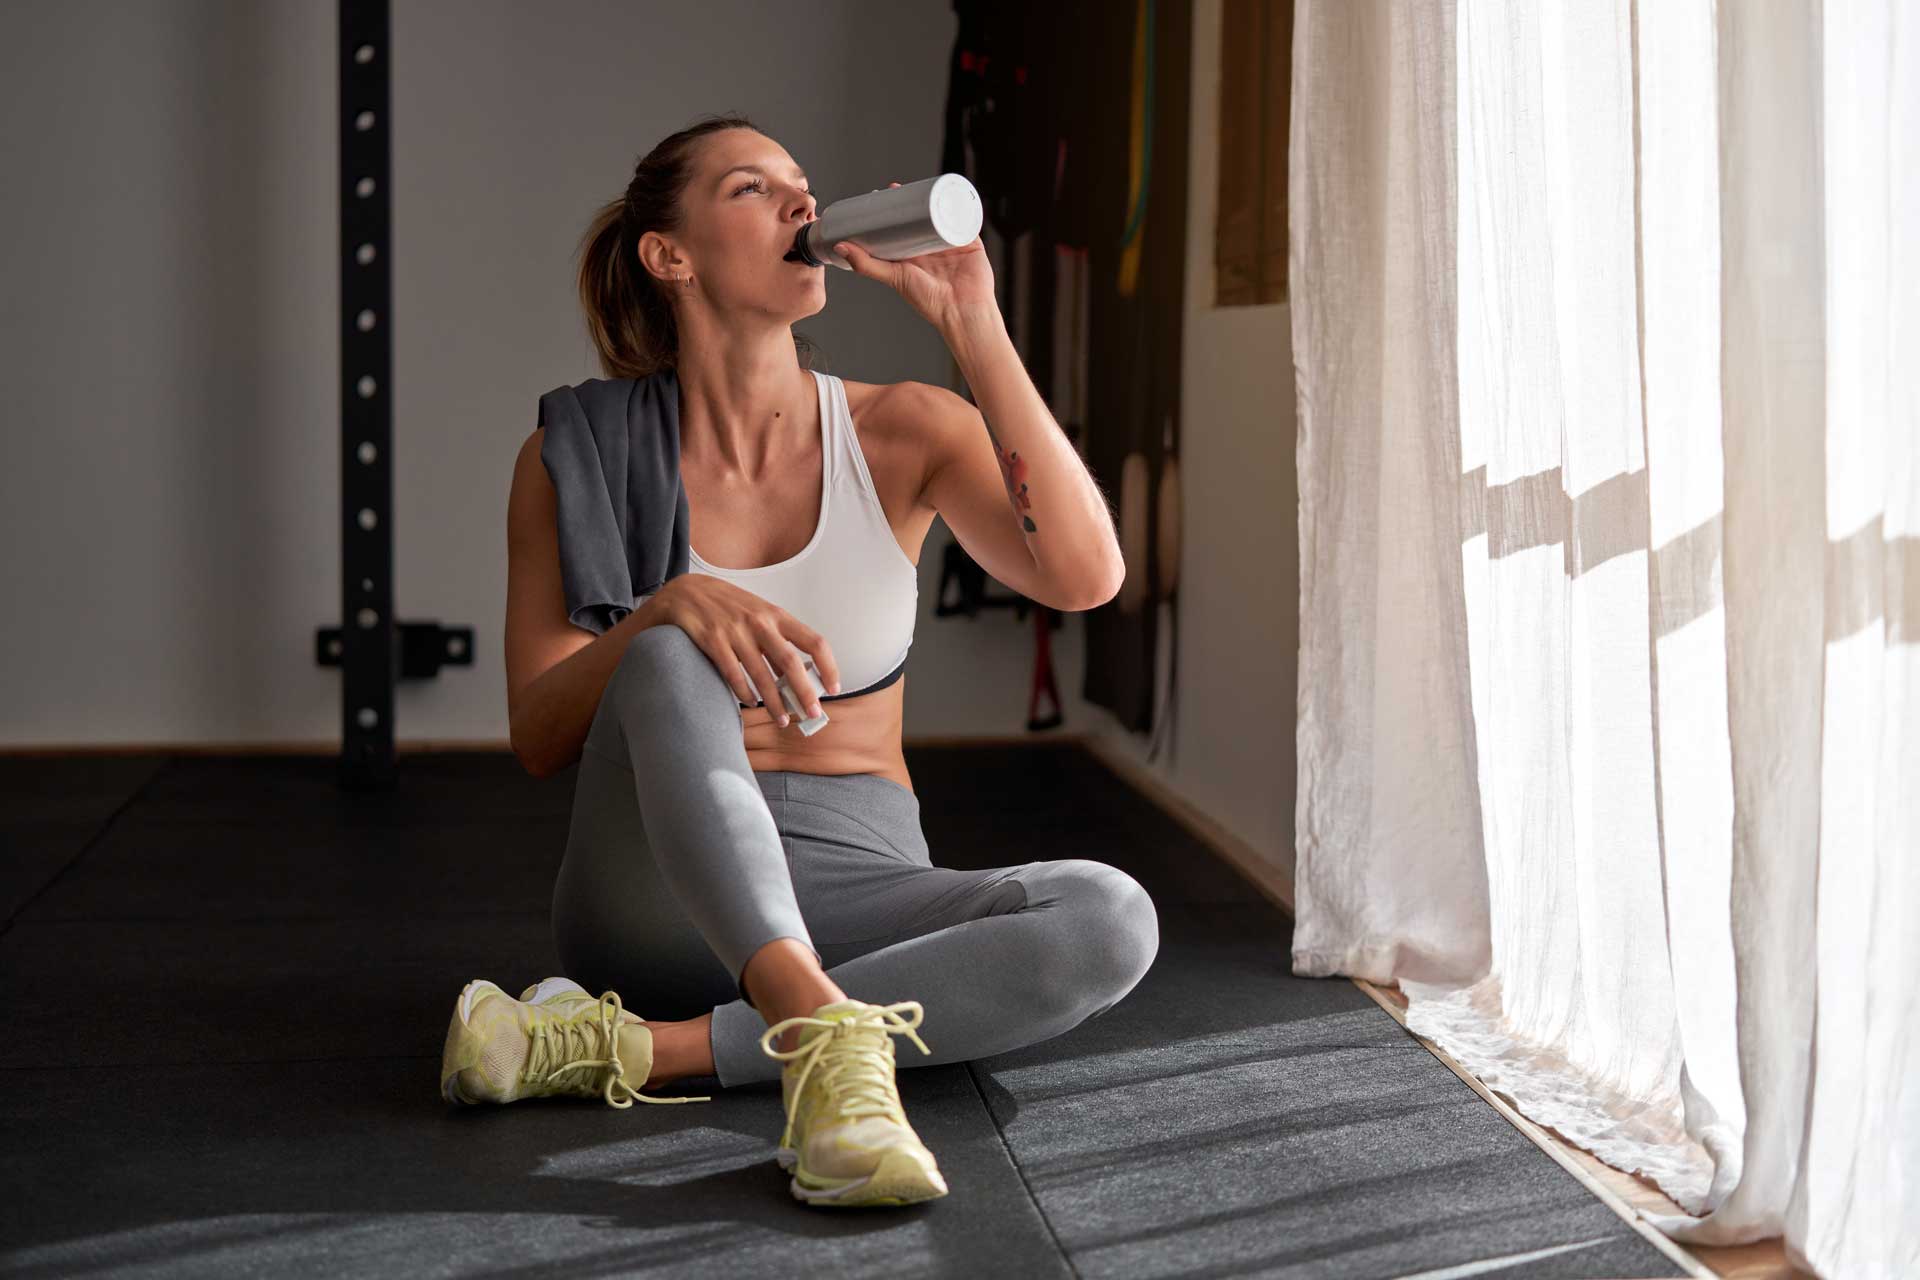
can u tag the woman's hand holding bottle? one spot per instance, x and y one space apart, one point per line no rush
940 286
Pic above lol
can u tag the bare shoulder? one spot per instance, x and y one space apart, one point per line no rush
874 403
530 448
531 493
905 428
890 402
533 535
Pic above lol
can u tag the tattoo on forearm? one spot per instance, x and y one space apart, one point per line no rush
1013 472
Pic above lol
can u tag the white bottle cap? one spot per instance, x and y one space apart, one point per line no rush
954 206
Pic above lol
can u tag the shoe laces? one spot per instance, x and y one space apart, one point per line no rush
576 1044
854 1058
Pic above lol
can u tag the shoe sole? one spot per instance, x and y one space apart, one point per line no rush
898 1179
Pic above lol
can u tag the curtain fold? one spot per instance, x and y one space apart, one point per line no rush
1606 327
1371 195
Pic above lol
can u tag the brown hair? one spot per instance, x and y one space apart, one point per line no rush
628 314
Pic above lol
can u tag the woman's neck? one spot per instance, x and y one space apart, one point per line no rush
740 412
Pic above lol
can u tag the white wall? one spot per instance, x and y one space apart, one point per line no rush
171 353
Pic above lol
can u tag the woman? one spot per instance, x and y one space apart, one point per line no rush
742 878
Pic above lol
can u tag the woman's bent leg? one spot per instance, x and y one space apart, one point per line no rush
999 958
674 872
616 925
1083 936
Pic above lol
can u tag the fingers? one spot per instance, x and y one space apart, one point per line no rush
862 262
749 647
822 654
824 663
727 663
802 684
779 657
784 640
804 638
766 683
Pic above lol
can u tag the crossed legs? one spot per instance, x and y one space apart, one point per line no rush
726 900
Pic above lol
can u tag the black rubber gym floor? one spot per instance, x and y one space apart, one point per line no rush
225 983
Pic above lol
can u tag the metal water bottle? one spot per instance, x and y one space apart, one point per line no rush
928 216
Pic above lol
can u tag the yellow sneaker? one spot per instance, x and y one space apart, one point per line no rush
847 1137
555 1040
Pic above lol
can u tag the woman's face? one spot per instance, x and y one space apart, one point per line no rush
747 199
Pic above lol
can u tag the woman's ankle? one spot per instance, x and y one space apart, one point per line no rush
681 1049
786 981
801 1006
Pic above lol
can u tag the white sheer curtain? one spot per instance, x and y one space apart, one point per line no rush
1606 321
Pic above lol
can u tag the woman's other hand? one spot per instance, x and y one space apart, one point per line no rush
751 641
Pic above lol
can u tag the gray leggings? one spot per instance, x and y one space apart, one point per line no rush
682 862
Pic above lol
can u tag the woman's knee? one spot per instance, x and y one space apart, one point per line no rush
1115 934
662 646
1132 936
662 663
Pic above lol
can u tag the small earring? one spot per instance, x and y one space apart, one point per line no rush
687 281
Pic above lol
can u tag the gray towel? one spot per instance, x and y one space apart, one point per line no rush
612 448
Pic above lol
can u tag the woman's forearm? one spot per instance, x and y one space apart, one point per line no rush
1059 506
549 726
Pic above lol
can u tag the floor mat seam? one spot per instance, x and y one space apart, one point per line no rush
1026 1186
93 841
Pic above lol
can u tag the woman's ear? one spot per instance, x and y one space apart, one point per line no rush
657 257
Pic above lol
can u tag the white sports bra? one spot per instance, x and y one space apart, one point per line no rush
851 582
